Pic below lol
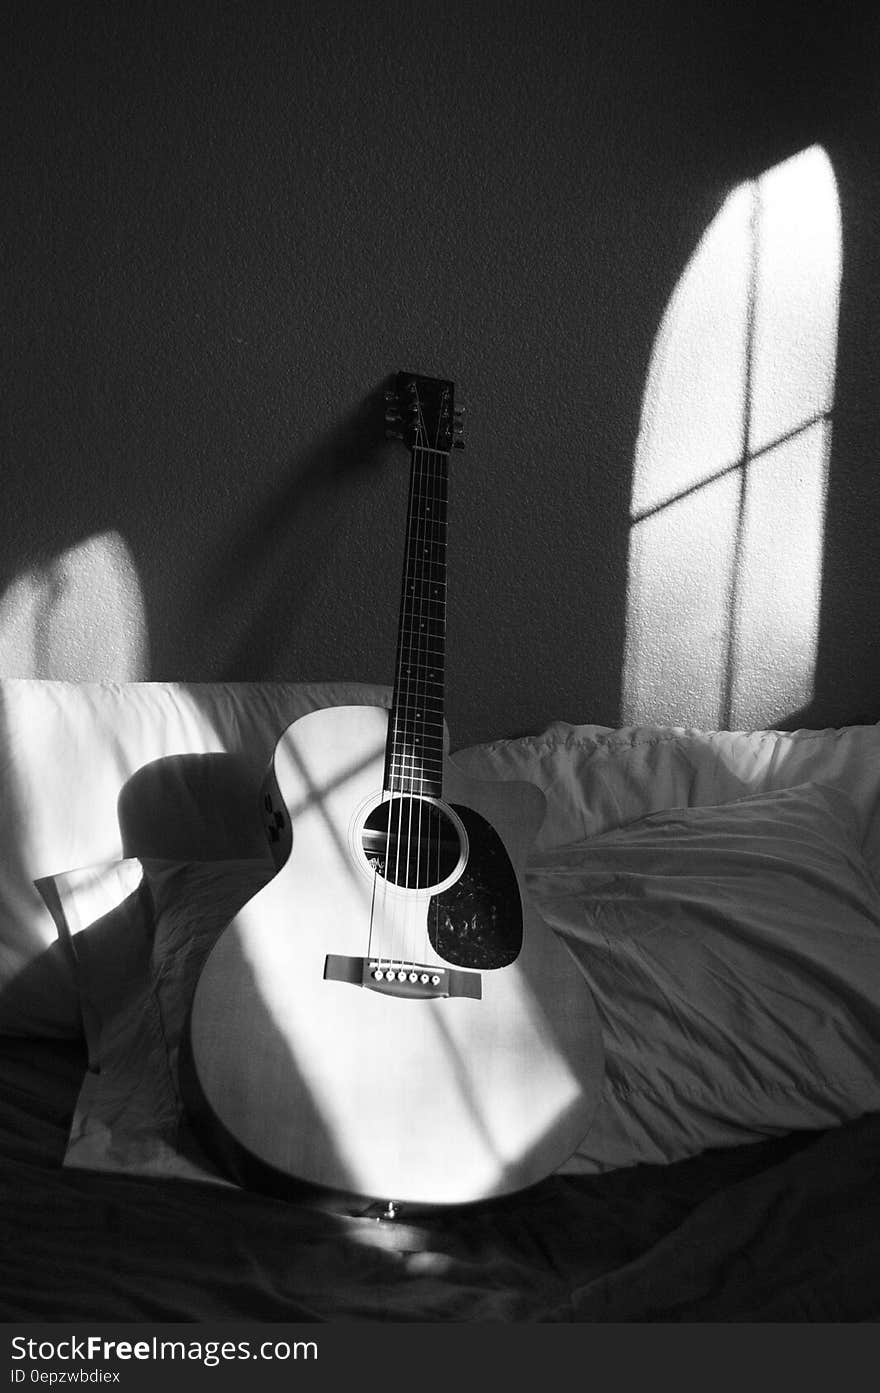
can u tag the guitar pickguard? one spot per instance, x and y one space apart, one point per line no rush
478 922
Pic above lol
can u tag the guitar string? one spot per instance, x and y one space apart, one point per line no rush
429 856
441 517
438 541
398 747
437 525
426 483
415 935
399 926
424 621
414 706
410 738
394 780
420 727
425 809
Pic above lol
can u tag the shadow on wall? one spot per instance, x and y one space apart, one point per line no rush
262 575
731 469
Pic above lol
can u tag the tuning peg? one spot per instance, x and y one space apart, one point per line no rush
459 410
392 434
392 398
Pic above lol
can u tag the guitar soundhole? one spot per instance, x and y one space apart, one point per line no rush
411 842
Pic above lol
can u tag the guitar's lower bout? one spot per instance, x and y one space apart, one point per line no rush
392 1087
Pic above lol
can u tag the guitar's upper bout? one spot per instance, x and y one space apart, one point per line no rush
514 807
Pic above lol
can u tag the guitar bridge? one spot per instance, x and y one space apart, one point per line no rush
417 981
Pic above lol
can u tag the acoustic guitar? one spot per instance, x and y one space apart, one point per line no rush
389 1017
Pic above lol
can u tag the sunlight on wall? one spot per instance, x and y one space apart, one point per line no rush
80 617
730 478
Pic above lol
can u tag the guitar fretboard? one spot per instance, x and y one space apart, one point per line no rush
414 755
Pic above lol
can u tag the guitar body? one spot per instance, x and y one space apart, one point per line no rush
400 1087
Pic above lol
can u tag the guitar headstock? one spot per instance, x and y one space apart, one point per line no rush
422 412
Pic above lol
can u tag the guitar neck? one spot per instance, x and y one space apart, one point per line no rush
414 755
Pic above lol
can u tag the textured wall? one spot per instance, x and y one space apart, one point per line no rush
226 225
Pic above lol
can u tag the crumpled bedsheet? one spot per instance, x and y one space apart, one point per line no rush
784 1230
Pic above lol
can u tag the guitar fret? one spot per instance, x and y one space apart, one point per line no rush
432 555
432 535
406 781
424 769
404 751
410 746
407 746
430 769
431 532
431 788
421 564
420 651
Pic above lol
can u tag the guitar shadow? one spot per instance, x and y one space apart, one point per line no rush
179 810
193 807
277 554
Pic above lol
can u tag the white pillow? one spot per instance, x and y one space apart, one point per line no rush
595 778
734 956
137 972
97 771
112 900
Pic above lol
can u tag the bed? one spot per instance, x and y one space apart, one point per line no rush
718 892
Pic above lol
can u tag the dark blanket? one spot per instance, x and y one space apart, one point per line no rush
786 1230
